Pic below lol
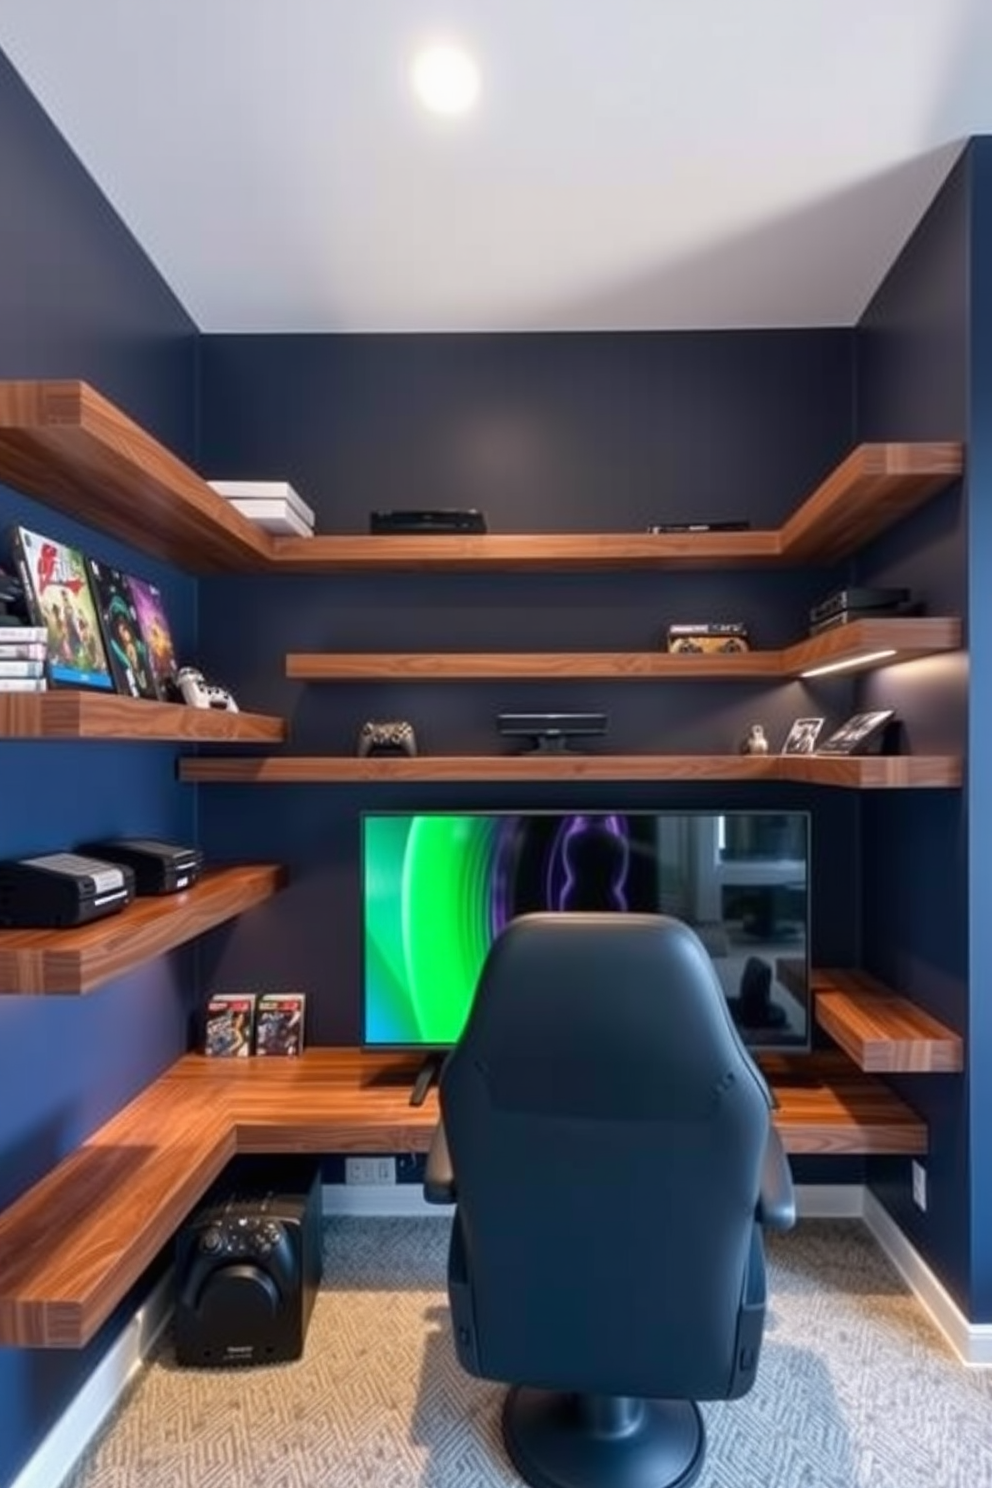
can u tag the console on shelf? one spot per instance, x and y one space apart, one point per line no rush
46 962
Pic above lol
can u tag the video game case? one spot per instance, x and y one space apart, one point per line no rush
857 599
126 650
21 650
660 529
229 1025
10 668
709 628
59 601
23 684
279 1023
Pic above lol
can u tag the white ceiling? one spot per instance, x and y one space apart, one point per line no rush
631 163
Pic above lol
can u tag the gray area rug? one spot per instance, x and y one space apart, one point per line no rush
856 1388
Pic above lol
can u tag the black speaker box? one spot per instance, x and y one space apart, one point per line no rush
248 1265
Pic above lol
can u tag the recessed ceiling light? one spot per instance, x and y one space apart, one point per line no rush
445 79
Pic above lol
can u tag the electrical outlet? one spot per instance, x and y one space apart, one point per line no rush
919 1186
371 1171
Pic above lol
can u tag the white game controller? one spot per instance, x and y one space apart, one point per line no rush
198 693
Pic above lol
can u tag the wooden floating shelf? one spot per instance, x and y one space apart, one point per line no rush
878 772
875 486
41 963
863 644
65 444
881 1032
73 1244
72 713
71 448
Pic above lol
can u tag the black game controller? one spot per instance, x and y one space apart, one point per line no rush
394 737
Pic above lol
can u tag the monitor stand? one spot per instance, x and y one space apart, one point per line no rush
426 1077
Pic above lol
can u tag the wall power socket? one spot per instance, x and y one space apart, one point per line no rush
919 1186
371 1171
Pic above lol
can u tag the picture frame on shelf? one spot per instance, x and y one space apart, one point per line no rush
802 736
860 734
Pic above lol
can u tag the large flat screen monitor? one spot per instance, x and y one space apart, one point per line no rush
437 888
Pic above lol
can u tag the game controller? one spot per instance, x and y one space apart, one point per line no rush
196 692
393 737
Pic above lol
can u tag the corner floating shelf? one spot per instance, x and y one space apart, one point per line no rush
865 643
65 444
72 713
75 1242
47 962
879 772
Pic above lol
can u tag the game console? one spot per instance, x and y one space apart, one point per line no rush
158 867
248 1265
428 519
391 737
59 890
197 692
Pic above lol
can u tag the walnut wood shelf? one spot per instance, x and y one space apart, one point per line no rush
39 963
72 713
73 1244
881 1032
877 772
865 643
875 486
65 444
71 448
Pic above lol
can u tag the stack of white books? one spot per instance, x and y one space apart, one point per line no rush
23 653
273 505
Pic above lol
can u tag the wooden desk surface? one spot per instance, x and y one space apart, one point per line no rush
74 1243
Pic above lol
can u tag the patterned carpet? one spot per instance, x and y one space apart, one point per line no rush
856 1389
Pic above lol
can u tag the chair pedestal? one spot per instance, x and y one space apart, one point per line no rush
556 1440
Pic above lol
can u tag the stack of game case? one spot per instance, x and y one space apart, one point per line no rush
23 649
273 505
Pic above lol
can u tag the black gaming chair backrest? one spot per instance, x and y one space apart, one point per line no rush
606 1129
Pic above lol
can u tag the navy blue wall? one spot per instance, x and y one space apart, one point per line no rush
912 381
546 433
78 299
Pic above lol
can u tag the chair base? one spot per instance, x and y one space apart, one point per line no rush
556 1440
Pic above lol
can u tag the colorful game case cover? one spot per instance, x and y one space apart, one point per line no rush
126 649
156 634
228 1026
57 590
279 1023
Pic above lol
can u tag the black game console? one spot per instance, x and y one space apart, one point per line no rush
248 1265
158 867
428 519
549 733
59 890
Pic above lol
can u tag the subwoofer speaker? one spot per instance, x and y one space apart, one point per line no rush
248 1265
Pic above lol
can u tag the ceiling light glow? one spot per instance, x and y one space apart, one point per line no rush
851 661
445 79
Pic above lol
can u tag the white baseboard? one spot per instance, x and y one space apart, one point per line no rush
972 1342
830 1200
85 1414
390 1201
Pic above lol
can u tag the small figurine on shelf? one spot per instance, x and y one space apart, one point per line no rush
755 740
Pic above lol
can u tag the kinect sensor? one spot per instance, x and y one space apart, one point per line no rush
551 733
